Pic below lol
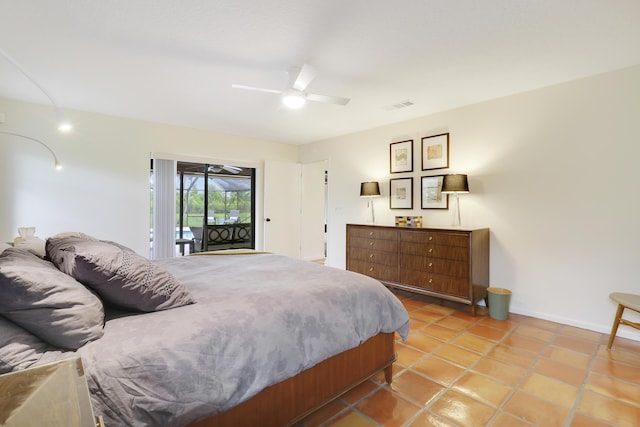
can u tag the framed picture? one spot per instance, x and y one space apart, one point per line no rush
401 193
431 193
435 152
401 157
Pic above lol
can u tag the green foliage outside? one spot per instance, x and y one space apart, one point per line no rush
220 203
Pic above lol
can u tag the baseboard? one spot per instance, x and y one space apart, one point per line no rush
623 331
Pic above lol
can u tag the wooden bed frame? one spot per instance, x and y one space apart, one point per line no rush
291 400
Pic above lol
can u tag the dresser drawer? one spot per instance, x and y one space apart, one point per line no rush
373 233
377 271
453 253
449 285
435 265
373 256
435 238
374 244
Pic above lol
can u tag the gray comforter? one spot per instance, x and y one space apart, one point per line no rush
258 320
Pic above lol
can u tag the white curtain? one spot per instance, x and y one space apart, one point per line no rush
164 208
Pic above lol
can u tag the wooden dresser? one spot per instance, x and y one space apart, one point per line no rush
448 263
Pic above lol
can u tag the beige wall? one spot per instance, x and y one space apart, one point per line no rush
103 189
553 173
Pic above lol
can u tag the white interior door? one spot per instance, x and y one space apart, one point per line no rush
312 233
282 189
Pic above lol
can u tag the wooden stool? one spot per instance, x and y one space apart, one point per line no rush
630 301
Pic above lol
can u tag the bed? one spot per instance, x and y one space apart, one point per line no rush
247 339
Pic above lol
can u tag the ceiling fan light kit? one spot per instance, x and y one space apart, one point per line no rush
293 100
294 96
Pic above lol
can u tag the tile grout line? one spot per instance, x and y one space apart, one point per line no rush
467 369
352 406
426 408
516 387
574 408
529 369
499 409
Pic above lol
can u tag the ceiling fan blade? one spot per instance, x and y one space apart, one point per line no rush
232 169
305 76
258 89
327 99
219 168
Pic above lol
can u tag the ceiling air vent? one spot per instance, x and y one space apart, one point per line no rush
399 105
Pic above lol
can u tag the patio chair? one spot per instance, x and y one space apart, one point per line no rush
197 238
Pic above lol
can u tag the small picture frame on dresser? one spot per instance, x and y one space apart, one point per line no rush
431 193
401 193
401 156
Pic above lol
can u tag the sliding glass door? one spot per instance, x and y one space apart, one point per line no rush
215 207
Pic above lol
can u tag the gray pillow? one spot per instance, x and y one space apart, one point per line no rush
53 306
19 349
55 244
118 274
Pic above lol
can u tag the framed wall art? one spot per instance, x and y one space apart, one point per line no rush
431 193
401 156
435 152
401 193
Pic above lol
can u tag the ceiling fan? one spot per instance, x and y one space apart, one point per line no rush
224 168
295 95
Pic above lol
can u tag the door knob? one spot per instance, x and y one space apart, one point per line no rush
268 219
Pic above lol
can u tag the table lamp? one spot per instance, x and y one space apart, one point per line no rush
455 184
369 190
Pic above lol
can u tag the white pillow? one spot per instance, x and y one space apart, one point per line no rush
35 245
3 246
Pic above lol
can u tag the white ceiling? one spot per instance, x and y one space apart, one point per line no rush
174 61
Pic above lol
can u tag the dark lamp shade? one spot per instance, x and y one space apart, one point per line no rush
369 189
456 183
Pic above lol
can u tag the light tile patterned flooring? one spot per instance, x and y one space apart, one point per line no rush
460 370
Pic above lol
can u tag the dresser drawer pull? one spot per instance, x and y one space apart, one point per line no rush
371 243
370 255
430 265
430 237
430 280
430 250
371 233
371 269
